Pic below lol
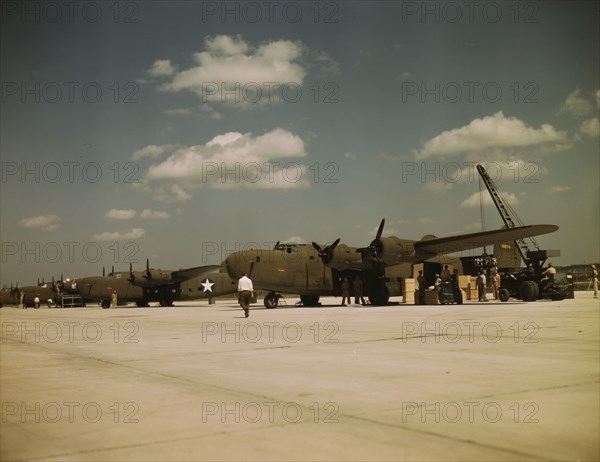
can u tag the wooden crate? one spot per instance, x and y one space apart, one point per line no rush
431 297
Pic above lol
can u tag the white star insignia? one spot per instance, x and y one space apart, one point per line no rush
207 285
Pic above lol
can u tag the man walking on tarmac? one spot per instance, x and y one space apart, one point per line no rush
245 290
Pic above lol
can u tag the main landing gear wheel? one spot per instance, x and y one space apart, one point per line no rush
271 300
380 296
105 304
529 291
309 300
503 295
166 302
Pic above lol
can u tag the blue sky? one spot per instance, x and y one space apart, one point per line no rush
168 130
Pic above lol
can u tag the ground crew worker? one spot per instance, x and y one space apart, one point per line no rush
113 299
36 302
358 291
496 284
445 274
422 286
549 272
595 280
481 280
245 291
21 299
346 291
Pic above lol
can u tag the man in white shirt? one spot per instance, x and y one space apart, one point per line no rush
549 272
245 290
481 282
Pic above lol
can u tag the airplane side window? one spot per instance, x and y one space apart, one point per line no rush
257 259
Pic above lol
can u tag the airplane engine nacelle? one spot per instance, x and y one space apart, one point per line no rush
345 254
158 277
393 250
153 278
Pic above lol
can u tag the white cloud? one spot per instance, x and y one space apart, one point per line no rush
161 68
230 63
590 127
294 240
135 233
116 214
210 111
183 111
233 160
492 135
169 194
204 110
474 199
386 231
575 104
43 222
153 151
558 189
438 186
328 64
154 214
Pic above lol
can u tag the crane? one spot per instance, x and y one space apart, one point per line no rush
528 248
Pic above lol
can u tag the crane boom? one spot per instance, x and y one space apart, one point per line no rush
528 248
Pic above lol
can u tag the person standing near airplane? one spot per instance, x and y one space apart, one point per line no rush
113 299
481 282
422 283
496 281
358 291
595 280
346 291
445 274
245 291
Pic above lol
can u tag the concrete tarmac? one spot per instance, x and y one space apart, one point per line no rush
477 382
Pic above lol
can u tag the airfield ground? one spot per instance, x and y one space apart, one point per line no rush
480 381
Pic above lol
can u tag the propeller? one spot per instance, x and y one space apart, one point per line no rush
276 245
103 272
250 269
376 246
326 254
148 273
131 276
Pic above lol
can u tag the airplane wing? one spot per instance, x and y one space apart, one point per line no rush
192 272
444 245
